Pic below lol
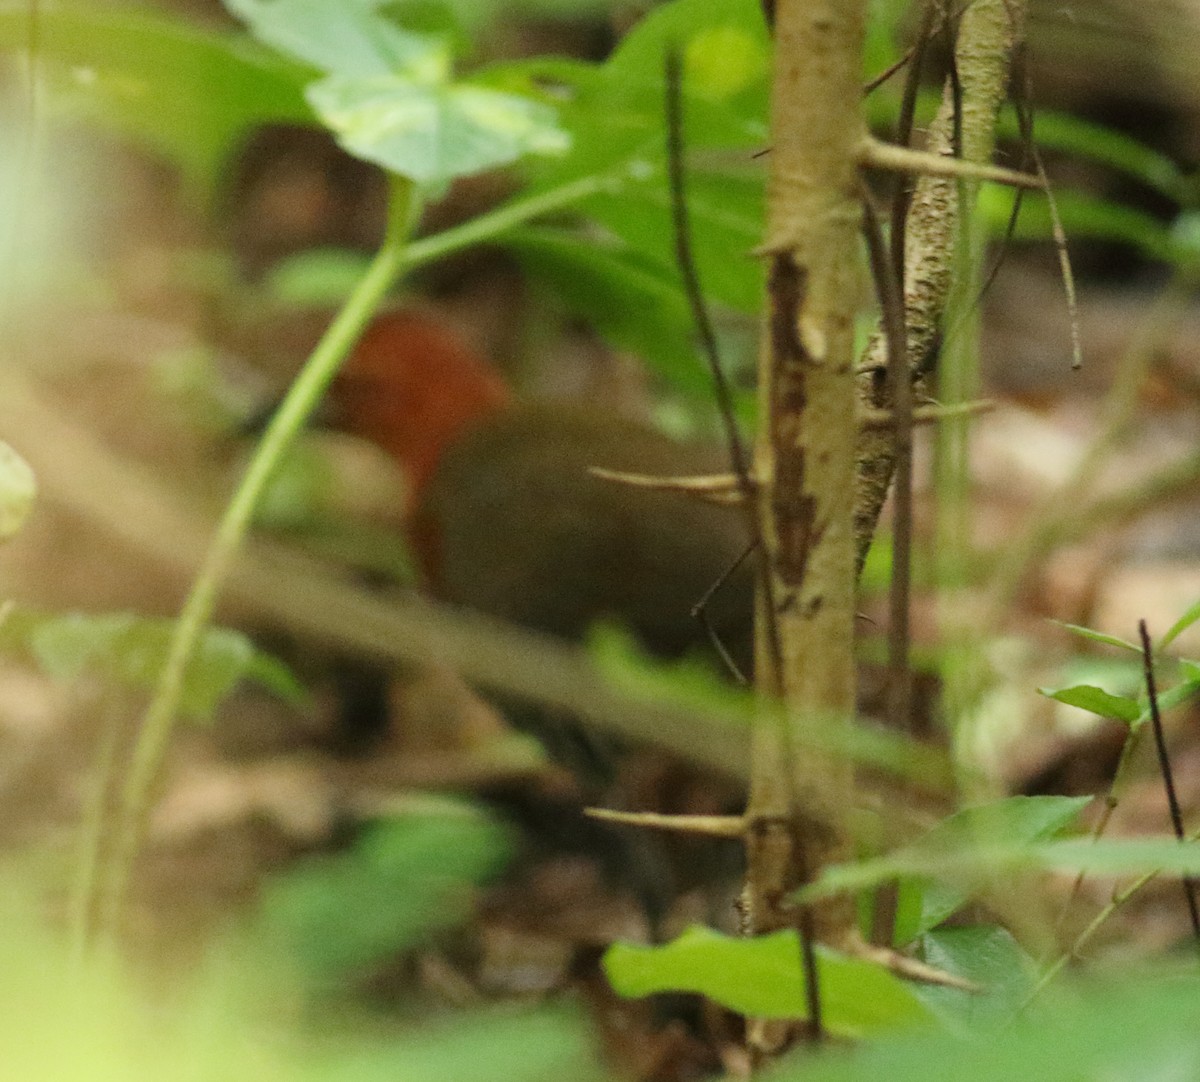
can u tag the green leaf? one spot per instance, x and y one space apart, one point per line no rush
388 95
975 866
1171 698
726 214
1099 636
131 650
189 93
633 301
18 490
724 43
431 131
1132 1026
989 958
1097 701
1180 626
405 878
615 115
762 977
350 37
546 1044
318 277
924 902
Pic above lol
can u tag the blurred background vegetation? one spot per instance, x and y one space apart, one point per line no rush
192 189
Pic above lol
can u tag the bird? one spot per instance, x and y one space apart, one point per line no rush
505 517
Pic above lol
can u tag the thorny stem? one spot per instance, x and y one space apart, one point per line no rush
769 625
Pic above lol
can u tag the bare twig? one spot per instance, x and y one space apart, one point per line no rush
1164 766
876 154
1025 120
700 612
721 488
712 826
926 415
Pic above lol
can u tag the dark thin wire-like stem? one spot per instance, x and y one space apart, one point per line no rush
1164 765
899 700
875 83
950 29
722 390
686 262
700 612
904 130
892 306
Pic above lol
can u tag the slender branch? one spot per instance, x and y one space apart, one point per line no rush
879 155
900 380
1112 800
1119 899
1164 766
495 223
158 722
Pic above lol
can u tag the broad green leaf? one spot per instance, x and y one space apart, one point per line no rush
389 97
1099 636
18 490
975 866
432 131
404 879
635 303
188 92
989 958
1180 626
762 977
615 114
925 902
1097 701
354 38
724 45
726 214
131 650
1132 1026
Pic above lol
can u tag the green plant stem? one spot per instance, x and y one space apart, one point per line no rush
508 216
95 812
1116 790
1119 898
302 398
395 256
